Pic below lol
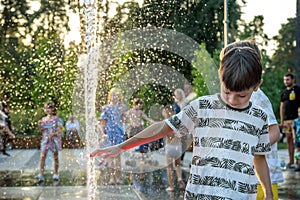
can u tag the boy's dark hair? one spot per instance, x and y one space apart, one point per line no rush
289 75
243 43
240 69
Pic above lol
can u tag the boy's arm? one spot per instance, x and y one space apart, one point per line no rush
274 133
153 132
263 174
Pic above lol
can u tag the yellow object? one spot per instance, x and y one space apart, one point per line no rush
260 192
292 96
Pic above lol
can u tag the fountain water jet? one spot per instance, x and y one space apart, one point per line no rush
155 38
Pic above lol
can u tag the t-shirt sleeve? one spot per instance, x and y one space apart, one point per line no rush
183 122
259 98
263 147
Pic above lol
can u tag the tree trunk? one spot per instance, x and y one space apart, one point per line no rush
298 42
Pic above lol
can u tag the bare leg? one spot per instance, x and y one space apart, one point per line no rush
179 173
42 161
290 142
111 166
118 169
291 148
170 173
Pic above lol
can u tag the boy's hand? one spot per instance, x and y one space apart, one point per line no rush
107 152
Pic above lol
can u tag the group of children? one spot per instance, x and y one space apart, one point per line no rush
115 120
233 132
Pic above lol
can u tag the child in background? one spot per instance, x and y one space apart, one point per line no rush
51 127
173 153
296 137
73 130
111 122
134 119
259 98
5 130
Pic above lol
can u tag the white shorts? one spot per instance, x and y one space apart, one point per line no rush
174 151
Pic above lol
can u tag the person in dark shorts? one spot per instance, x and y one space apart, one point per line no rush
289 103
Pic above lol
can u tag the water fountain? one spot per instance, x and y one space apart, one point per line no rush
142 73
147 73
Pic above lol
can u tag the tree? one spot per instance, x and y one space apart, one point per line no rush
284 56
254 29
199 20
298 42
283 60
24 34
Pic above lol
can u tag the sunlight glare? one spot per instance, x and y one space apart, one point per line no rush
34 6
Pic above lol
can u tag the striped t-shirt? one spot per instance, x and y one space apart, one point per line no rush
225 141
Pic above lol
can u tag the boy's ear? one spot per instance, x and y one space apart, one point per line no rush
257 86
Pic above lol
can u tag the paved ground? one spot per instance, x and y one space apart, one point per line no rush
17 180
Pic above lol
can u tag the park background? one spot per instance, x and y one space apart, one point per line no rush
39 52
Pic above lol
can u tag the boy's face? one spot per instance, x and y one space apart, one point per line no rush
238 100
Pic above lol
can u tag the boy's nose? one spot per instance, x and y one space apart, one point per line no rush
232 100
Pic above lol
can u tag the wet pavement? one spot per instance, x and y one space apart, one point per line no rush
144 177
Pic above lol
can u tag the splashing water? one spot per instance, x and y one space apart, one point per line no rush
143 73
90 92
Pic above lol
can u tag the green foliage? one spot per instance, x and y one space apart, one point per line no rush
35 67
205 73
55 73
43 70
283 60
200 20
272 86
284 56
254 30
45 73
